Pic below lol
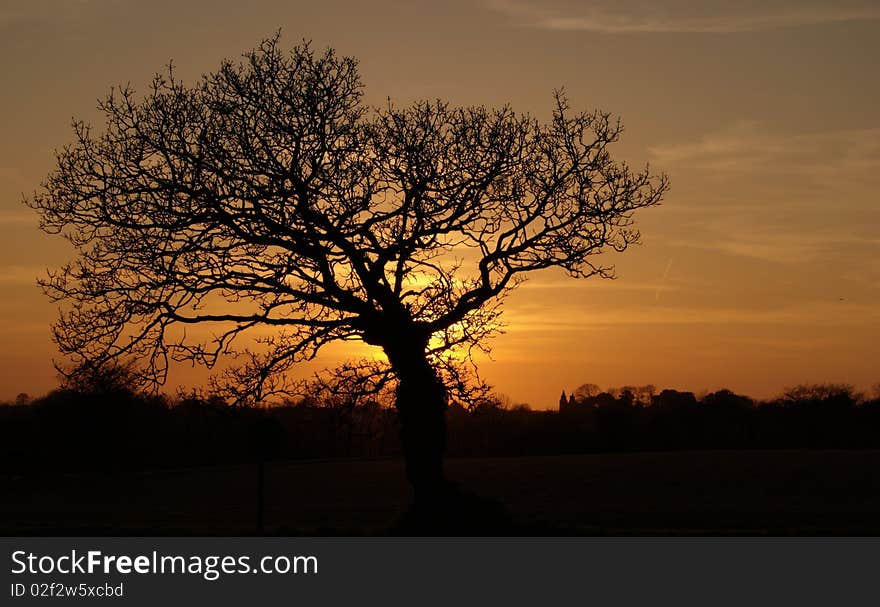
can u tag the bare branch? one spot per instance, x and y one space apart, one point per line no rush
266 194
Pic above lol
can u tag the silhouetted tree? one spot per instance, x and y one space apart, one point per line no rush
674 400
806 394
586 391
645 394
114 376
725 399
267 194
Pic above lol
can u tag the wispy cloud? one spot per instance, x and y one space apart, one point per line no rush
775 244
15 220
605 285
749 146
20 275
792 198
15 12
653 20
570 319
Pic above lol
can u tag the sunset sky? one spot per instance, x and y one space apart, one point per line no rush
760 270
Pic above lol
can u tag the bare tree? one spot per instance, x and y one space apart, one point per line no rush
268 195
586 391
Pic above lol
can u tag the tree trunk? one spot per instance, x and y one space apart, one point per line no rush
421 405
439 507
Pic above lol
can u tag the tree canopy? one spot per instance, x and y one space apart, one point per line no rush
268 194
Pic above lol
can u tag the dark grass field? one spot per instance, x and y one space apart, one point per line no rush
781 492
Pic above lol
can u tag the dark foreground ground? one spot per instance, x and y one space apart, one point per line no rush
667 493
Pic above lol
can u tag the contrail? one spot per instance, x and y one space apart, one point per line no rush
662 281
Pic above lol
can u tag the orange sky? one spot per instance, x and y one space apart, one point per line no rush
761 270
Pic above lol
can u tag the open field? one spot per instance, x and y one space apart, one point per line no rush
687 492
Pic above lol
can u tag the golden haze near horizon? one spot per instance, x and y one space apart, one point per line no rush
760 270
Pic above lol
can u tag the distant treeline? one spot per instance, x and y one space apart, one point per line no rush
118 429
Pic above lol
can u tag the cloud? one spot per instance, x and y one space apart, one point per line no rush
772 216
605 285
784 197
16 12
18 219
749 146
652 20
572 319
778 245
21 275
